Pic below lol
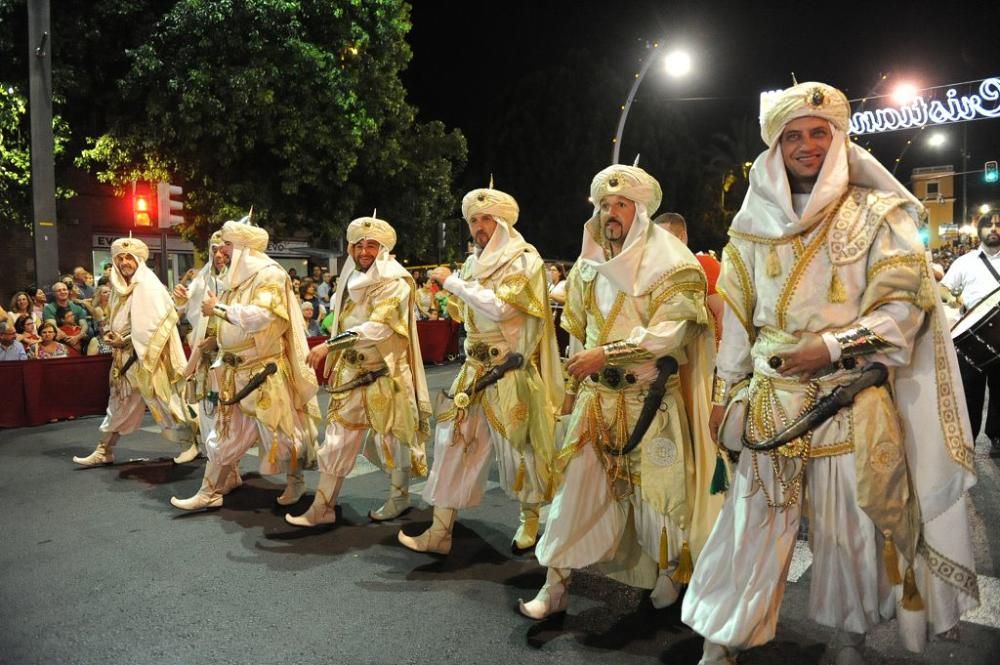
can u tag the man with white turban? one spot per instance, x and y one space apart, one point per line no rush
635 299
260 369
147 358
824 276
501 296
377 383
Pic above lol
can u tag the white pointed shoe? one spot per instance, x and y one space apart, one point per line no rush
666 591
716 654
552 598
103 454
436 539
399 498
294 489
188 454
323 509
209 495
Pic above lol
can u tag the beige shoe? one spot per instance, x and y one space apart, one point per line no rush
210 493
324 506
231 479
716 654
665 592
436 539
294 489
527 533
103 454
552 598
399 498
190 453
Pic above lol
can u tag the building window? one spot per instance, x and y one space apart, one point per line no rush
932 189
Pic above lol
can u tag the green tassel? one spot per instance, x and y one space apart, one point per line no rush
720 479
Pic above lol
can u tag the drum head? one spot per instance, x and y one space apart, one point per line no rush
976 314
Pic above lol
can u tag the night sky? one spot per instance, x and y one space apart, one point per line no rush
466 54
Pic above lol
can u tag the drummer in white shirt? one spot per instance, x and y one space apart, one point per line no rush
974 276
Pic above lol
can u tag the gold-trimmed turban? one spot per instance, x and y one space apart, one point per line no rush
133 246
372 228
804 99
244 235
215 240
629 181
489 201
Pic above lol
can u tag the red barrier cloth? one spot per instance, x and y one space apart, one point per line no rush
438 340
39 391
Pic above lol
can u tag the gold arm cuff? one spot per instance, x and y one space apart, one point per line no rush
220 311
621 352
860 341
344 340
723 391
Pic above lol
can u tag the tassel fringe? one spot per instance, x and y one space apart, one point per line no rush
891 560
684 566
837 292
773 264
664 552
720 479
911 595
519 477
272 456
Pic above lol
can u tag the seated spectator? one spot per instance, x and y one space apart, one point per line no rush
84 288
325 288
19 304
27 334
312 324
101 310
49 347
72 334
10 348
307 293
61 298
38 306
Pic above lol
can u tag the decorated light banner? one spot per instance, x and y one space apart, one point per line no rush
921 113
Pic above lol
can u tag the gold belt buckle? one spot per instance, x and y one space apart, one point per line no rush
480 351
614 377
353 356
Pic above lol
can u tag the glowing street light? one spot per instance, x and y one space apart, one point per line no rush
983 209
677 63
904 93
937 139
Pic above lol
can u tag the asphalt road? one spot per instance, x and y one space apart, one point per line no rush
97 567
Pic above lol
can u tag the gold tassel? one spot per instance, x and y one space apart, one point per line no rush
911 595
684 566
390 461
773 262
837 292
519 477
664 556
293 462
891 560
272 457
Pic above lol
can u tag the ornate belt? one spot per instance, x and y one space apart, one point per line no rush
482 352
615 378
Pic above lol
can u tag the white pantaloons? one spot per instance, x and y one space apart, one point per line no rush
211 492
436 539
323 508
103 453
399 497
552 598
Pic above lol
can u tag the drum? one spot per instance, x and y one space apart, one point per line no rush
977 334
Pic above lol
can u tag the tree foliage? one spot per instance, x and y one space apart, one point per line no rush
294 107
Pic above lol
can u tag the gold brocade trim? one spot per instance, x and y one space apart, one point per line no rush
760 240
841 448
607 324
893 262
949 571
745 313
798 272
571 324
516 288
159 340
272 298
387 313
668 293
667 276
949 408
905 296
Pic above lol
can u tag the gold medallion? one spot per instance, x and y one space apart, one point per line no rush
462 400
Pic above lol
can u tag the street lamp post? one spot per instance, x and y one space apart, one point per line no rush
678 63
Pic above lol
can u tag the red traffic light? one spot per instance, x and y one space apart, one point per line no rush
141 210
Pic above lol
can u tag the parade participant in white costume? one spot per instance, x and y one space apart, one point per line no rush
267 393
147 361
824 278
201 391
636 299
377 383
500 294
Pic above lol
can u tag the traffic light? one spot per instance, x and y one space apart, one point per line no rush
170 203
141 205
990 173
